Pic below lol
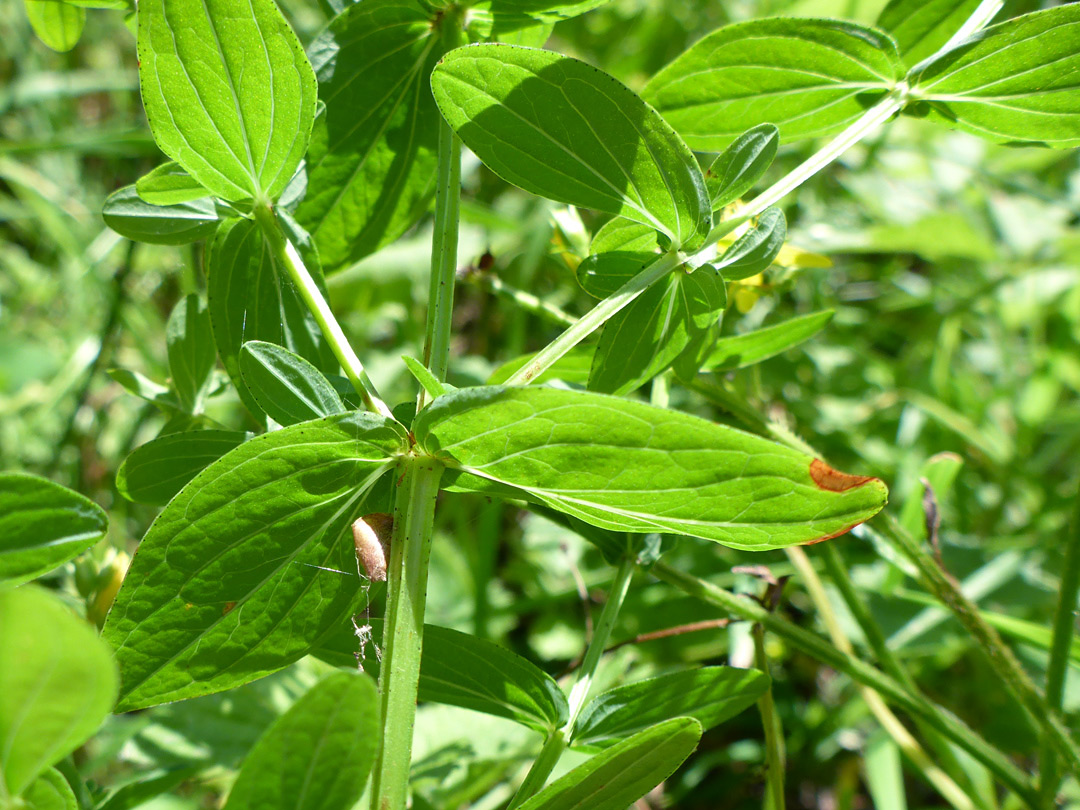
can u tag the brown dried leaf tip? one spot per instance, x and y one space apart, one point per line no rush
371 534
833 480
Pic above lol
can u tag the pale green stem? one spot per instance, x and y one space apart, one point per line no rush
774 731
980 17
444 243
1001 657
285 255
859 671
403 629
1064 628
556 743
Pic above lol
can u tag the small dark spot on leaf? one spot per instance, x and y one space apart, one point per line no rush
228 608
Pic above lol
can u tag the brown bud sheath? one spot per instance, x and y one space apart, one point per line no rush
371 534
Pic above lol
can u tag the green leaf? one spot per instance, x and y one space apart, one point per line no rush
50 791
647 336
57 683
318 754
42 526
742 164
572 367
371 163
627 466
458 669
756 249
1018 81
228 92
59 25
156 471
132 217
253 299
497 18
224 588
745 350
427 380
191 351
710 695
169 184
809 77
136 794
287 387
618 777
618 252
922 27
567 131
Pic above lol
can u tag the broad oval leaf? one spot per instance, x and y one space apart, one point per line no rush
710 695
318 754
567 131
57 683
251 298
228 91
154 472
43 525
371 163
458 669
618 252
58 24
286 386
628 466
922 27
616 778
809 77
1018 81
224 587
50 791
190 348
756 249
742 164
745 350
169 184
132 217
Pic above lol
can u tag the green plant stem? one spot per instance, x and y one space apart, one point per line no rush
556 743
1064 627
406 597
285 255
1001 657
444 246
524 300
859 671
979 19
774 732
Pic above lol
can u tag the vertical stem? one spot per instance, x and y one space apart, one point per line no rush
1064 627
286 256
406 596
774 733
555 744
444 244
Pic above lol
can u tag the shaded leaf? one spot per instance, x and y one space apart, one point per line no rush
154 472
169 184
223 588
742 164
44 651
565 130
190 350
287 387
132 217
745 350
628 466
50 791
619 251
809 77
756 249
43 525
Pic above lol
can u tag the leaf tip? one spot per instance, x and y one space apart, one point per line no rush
832 480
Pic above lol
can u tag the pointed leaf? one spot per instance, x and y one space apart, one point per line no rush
228 92
191 351
756 249
224 588
564 130
1018 81
42 526
371 174
431 385
253 299
742 164
710 695
134 218
169 184
59 25
50 791
45 651
318 754
618 777
154 472
287 387
628 466
922 27
809 77
745 350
